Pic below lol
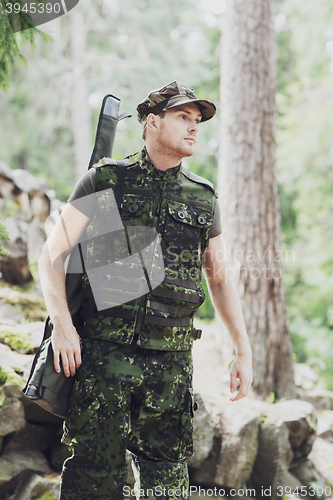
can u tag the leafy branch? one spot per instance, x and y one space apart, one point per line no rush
11 42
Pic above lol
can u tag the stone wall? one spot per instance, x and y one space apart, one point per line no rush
25 201
256 448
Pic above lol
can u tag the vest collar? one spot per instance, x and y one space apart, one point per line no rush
146 164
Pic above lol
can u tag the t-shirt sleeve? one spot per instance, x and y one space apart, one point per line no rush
216 228
79 197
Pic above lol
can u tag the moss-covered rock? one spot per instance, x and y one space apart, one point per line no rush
30 302
22 338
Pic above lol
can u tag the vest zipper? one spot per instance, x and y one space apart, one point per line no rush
143 300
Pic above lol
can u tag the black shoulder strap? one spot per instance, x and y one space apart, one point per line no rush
119 194
119 191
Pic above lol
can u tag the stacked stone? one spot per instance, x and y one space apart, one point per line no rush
26 203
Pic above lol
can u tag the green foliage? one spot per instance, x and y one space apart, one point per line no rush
4 237
304 137
11 43
45 496
178 45
206 311
3 376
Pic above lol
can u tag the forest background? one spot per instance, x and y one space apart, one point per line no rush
130 47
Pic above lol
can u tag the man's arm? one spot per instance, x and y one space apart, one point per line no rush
65 339
226 301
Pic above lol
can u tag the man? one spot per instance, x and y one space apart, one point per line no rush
134 385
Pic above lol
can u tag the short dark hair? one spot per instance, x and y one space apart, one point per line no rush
161 114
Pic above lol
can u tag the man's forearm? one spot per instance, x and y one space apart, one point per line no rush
53 287
227 304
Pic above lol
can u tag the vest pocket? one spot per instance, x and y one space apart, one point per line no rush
186 235
193 215
135 210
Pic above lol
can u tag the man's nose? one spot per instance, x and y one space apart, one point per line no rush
194 126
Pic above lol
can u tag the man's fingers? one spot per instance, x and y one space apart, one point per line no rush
233 380
71 366
244 386
238 396
56 360
69 352
78 360
74 361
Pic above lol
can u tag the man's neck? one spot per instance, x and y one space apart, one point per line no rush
162 161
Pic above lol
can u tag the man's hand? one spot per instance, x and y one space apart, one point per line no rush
66 346
241 368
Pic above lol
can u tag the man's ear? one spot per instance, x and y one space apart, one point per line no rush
153 122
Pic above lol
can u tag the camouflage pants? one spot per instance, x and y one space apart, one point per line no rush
130 398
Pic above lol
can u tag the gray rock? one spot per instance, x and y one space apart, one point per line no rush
240 428
5 170
322 399
10 315
274 456
306 473
14 462
11 417
33 437
15 266
14 364
325 422
12 390
25 181
325 425
301 420
203 434
33 485
322 458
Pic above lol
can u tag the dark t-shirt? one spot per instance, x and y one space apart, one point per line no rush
86 186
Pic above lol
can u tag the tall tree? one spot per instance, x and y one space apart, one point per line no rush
248 188
80 111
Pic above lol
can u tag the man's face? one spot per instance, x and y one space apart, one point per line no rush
178 131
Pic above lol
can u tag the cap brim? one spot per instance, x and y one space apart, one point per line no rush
207 108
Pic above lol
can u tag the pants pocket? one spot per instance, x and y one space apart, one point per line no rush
82 421
187 427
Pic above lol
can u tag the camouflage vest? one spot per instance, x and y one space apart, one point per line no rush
179 206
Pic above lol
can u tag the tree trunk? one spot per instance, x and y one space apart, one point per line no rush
81 119
248 188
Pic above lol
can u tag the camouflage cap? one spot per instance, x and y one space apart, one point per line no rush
170 96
